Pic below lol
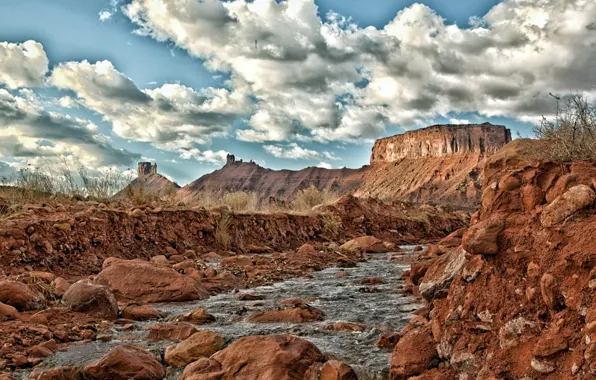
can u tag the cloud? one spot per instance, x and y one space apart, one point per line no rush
105 15
22 65
295 152
325 165
332 80
172 117
28 131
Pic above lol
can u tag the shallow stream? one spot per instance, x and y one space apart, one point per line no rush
380 308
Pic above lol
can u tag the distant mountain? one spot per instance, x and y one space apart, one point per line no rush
148 181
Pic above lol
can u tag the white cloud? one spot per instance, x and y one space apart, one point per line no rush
30 132
459 121
331 80
22 65
325 165
173 117
105 15
67 102
294 151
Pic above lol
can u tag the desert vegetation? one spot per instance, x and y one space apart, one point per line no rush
311 197
572 132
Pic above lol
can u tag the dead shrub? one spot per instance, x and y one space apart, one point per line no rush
240 201
332 223
222 231
310 197
572 133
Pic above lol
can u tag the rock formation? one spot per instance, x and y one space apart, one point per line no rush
515 298
148 183
440 164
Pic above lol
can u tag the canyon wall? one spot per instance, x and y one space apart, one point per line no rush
442 140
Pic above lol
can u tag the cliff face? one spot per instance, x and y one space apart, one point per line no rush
442 140
439 164
148 182
281 184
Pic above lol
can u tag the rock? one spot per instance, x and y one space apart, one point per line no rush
59 286
440 274
42 276
549 344
239 261
294 315
336 370
140 313
202 369
198 316
365 244
59 373
482 237
199 345
345 327
267 357
171 331
542 366
146 282
533 270
510 332
123 363
388 340
550 291
85 296
160 260
20 296
8 313
39 318
249 297
567 204
414 353
40 351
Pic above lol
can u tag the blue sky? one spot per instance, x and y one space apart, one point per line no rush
289 103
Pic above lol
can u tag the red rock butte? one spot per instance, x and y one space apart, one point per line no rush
442 140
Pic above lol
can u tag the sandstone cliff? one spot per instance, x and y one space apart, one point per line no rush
512 297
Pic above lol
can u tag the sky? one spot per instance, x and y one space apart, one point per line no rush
287 83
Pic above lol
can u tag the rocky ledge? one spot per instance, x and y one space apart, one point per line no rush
512 297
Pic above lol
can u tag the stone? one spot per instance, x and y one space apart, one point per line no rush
20 296
388 340
60 286
197 316
123 363
239 261
160 260
59 373
85 296
414 353
365 244
567 204
140 313
8 313
267 357
199 345
171 331
542 366
482 237
550 291
510 332
146 282
345 327
336 370
249 297
549 344
441 272
293 315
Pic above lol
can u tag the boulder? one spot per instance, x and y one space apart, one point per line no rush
249 297
336 370
388 340
59 286
171 331
482 237
267 357
567 204
365 244
85 296
439 275
20 296
345 327
8 313
146 282
198 317
414 353
124 363
140 313
59 373
303 314
239 261
200 345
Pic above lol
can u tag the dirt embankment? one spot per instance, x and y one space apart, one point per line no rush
513 296
75 241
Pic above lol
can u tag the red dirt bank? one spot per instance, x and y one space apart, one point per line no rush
514 297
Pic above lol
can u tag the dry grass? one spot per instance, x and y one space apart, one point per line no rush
332 223
240 201
308 198
572 133
222 231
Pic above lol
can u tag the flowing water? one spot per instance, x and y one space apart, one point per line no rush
379 308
